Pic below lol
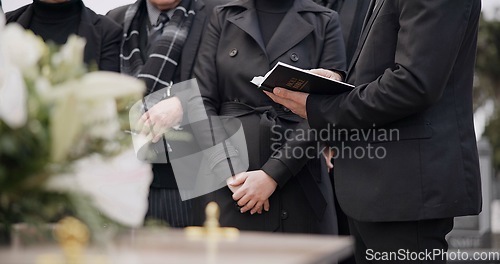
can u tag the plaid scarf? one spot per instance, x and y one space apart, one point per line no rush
158 70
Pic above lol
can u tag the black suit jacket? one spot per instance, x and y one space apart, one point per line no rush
103 36
413 73
231 54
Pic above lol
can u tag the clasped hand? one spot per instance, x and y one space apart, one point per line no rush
252 190
161 117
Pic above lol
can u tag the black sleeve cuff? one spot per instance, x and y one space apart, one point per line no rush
278 171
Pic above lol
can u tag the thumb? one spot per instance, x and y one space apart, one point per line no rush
238 179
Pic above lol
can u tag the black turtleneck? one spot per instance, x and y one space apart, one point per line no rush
55 22
270 14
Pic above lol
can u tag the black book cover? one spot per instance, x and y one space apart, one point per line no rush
296 79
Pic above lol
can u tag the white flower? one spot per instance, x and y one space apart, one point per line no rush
13 94
2 19
104 84
118 187
99 85
88 102
13 98
71 53
43 88
21 48
101 119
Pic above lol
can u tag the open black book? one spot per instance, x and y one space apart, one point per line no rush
296 79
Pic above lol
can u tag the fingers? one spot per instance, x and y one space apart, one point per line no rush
275 98
232 187
251 204
148 128
160 117
287 94
278 99
257 208
156 137
246 202
243 200
238 179
323 72
266 205
336 77
140 123
295 101
328 74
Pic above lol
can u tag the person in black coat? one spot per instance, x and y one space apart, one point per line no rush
414 74
165 201
56 20
246 38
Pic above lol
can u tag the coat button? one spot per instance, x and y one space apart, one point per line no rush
286 109
284 214
294 57
233 52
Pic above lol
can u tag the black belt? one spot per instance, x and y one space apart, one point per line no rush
268 118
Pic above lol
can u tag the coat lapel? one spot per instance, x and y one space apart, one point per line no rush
25 18
193 41
248 21
366 29
87 30
283 38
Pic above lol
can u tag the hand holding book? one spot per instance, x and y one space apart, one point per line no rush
290 86
318 81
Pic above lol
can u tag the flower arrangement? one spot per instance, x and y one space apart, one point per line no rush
62 146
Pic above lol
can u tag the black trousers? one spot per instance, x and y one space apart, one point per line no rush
167 206
400 242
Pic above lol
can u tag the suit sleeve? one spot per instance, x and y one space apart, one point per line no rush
284 164
428 41
110 46
210 133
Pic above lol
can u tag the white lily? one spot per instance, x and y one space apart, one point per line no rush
118 187
104 84
68 62
21 47
101 118
13 94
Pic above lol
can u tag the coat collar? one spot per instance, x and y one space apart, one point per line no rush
25 18
87 30
364 34
302 6
284 38
193 41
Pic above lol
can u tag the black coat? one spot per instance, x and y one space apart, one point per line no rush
103 36
232 52
414 73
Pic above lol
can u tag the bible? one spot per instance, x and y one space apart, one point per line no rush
296 79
